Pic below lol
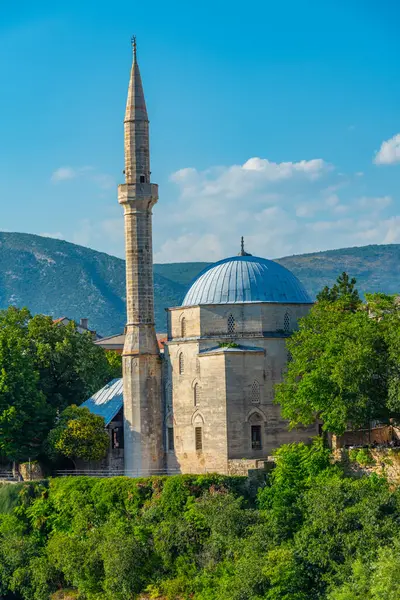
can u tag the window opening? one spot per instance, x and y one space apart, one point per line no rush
286 323
183 327
231 324
196 394
170 433
117 438
142 179
198 434
181 364
256 437
255 392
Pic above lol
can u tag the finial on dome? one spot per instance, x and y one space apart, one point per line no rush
242 250
133 42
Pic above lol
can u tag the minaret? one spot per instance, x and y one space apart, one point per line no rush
141 358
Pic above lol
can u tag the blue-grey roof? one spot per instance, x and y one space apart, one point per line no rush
246 279
224 350
108 401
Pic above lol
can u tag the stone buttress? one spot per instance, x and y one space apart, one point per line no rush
141 357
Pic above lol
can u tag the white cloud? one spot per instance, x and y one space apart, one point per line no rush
56 235
280 209
62 174
389 152
253 175
190 247
285 170
105 234
101 180
374 203
67 173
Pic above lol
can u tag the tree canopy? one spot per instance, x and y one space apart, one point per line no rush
310 531
43 369
79 434
345 367
344 290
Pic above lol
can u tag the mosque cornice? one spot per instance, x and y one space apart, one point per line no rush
226 350
207 306
230 338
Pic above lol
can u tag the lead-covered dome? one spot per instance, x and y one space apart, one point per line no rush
246 279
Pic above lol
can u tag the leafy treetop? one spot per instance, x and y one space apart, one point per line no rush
79 434
43 369
345 367
343 290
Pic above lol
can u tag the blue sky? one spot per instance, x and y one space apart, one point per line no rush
267 120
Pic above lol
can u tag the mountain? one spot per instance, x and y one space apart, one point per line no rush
58 278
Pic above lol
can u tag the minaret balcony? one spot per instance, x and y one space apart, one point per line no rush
138 193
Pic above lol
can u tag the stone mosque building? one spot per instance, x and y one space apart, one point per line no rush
206 402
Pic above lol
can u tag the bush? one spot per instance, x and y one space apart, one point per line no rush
9 496
362 456
203 537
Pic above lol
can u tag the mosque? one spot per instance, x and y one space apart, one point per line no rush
206 402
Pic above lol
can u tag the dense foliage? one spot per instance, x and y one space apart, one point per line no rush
310 533
345 367
43 369
79 434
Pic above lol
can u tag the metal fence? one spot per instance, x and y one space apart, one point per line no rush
7 476
118 473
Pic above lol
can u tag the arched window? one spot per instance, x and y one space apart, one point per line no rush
181 364
142 179
196 394
286 323
255 393
198 438
256 431
231 324
183 327
198 432
170 434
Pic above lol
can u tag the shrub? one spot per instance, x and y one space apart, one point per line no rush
362 456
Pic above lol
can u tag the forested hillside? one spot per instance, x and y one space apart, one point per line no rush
62 279
309 533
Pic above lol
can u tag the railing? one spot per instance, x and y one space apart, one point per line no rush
88 473
119 473
7 476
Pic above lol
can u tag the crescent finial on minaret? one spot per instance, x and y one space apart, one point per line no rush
133 42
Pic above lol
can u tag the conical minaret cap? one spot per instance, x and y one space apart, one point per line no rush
135 105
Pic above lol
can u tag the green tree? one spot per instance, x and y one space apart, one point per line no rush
43 369
79 434
385 309
24 414
373 580
344 290
339 371
297 465
70 366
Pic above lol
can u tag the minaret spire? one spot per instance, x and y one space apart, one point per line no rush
136 126
141 357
